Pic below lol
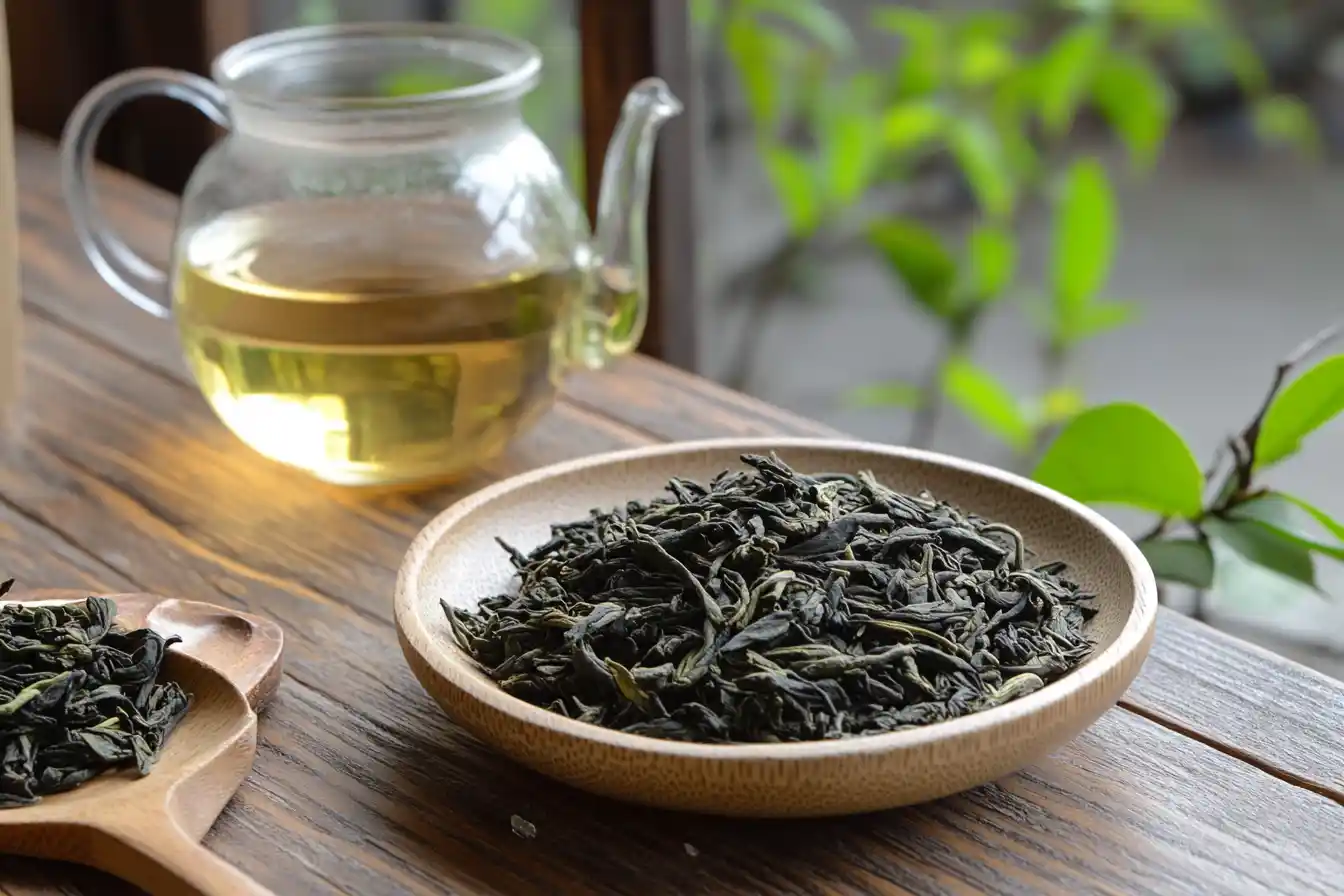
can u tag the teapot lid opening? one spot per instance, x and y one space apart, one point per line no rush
384 65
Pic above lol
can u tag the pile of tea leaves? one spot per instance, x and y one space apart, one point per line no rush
771 606
78 696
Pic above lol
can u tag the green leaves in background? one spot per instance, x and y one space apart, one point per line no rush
1265 543
991 260
1185 560
1171 13
1287 120
894 393
986 401
1066 72
1084 242
518 17
1097 318
1057 406
813 19
923 51
795 187
1299 409
1137 103
919 259
983 48
1295 520
850 150
1124 454
912 125
760 56
979 154
934 277
1264 547
1248 586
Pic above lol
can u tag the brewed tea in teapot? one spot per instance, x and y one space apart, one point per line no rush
383 289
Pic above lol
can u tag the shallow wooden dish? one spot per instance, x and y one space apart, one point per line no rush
456 558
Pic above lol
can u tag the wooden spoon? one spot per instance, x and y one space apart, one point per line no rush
148 830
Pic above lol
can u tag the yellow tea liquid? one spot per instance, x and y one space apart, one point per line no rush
370 341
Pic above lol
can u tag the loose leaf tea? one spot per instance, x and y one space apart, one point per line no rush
773 606
78 696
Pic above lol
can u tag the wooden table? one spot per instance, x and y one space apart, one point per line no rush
1221 771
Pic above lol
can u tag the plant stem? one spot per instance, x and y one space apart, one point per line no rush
1245 467
929 411
1056 367
762 285
1238 481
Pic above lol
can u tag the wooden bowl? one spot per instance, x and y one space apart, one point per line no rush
456 559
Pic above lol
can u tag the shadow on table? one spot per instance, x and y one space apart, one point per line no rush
22 877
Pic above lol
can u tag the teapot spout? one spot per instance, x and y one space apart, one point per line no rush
620 248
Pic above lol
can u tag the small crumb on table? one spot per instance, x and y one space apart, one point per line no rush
522 827
690 850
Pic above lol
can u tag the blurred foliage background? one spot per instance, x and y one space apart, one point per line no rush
976 153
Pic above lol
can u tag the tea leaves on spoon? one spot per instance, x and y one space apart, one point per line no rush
78 696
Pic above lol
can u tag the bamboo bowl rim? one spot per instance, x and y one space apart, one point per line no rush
452 664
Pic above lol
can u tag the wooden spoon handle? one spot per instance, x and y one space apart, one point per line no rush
161 859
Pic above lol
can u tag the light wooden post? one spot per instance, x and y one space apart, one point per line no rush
11 315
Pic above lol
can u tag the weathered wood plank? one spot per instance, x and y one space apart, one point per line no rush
1269 711
362 785
127 480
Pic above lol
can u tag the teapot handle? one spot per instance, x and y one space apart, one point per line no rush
135 278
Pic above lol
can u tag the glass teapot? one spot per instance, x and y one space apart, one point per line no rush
380 275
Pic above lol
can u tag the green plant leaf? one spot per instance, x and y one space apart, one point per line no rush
795 187
982 160
1243 62
759 56
1124 454
1263 546
1084 239
986 401
814 19
1171 13
1137 102
912 124
1097 318
991 256
1066 72
992 23
850 150
1287 120
1185 560
923 51
1300 408
919 258
1057 406
1244 583
983 59
896 393
1294 519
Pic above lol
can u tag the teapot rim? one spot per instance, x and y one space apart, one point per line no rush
516 64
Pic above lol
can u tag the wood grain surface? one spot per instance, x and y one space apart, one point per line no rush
1220 773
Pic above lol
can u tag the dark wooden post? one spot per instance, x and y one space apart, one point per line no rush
622 41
